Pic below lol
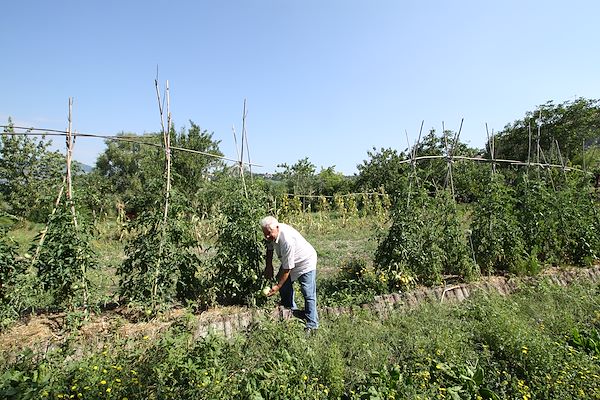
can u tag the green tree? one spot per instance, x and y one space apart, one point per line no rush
572 124
93 196
300 177
329 182
384 168
191 170
30 174
134 171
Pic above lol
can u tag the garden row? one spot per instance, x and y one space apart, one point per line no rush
539 342
519 224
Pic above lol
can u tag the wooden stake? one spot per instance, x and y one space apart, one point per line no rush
242 150
491 148
69 156
166 144
529 147
245 137
413 153
167 139
560 158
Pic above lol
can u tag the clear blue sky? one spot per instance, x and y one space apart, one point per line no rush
323 79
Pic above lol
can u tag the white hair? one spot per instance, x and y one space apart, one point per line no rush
268 222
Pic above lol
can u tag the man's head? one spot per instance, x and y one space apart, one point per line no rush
270 228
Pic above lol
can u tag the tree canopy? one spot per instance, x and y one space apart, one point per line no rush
567 128
30 174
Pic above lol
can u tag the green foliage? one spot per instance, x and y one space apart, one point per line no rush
330 182
587 340
529 342
134 172
463 380
356 283
161 265
236 269
12 269
571 124
559 220
300 177
384 169
351 206
30 175
191 170
538 219
578 228
529 345
426 241
496 233
64 259
10 264
94 196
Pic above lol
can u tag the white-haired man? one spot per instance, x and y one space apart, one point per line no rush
298 264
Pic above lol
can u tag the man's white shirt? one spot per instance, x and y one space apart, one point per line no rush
294 252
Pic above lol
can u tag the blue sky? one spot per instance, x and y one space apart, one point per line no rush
323 79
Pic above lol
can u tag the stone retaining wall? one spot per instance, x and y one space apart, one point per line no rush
229 324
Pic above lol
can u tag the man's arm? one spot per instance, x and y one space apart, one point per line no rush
283 276
287 263
268 273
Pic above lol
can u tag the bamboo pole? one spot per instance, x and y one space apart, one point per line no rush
167 138
413 154
69 157
491 147
448 165
239 161
167 176
242 150
245 137
69 193
540 151
560 157
242 139
117 139
529 145
45 230
237 150
539 133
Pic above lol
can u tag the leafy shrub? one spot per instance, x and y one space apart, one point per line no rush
64 259
161 266
427 240
356 283
538 218
235 275
497 238
12 269
579 223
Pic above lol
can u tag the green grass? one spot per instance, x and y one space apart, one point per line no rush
337 241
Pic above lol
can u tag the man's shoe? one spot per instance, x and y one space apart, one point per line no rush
300 314
310 331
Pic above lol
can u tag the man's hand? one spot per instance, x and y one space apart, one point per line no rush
273 290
